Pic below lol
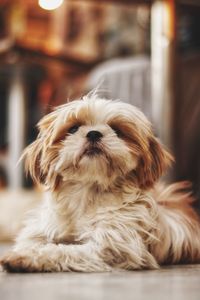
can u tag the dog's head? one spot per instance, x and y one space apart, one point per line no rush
96 141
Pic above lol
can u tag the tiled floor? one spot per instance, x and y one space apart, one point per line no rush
170 283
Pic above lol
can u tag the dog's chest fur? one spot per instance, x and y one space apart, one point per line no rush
81 212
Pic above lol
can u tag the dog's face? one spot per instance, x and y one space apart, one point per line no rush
96 141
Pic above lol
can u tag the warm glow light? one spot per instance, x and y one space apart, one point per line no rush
50 4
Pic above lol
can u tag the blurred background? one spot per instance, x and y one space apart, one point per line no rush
143 52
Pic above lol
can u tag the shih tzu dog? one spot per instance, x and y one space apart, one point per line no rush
99 163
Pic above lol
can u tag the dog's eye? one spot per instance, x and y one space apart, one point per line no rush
117 131
73 129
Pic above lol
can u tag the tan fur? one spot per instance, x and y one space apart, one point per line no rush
103 209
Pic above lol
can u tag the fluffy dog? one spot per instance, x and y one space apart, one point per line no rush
99 162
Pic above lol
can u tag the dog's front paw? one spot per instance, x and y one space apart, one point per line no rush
15 262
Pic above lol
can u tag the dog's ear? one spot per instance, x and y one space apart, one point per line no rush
152 164
39 155
32 158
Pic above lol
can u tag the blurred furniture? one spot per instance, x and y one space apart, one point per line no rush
187 127
186 121
127 79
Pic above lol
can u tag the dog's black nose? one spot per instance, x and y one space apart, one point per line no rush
94 136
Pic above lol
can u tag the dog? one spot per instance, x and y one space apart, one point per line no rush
99 163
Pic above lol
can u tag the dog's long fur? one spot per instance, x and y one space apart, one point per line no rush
103 209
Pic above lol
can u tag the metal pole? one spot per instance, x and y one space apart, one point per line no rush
163 29
16 131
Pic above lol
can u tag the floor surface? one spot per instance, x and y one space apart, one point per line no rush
170 283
